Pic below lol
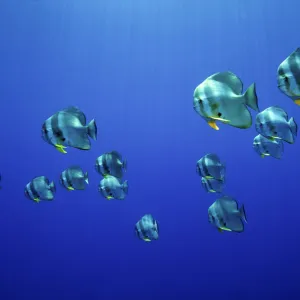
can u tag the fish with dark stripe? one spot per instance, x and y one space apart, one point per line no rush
226 216
212 185
147 228
40 188
74 178
288 76
111 187
111 163
210 166
273 123
220 98
68 128
268 147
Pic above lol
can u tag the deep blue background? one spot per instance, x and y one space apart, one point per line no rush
133 66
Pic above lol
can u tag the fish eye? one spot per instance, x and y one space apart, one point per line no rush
275 132
200 100
219 114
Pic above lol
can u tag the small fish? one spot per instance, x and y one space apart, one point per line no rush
273 123
147 228
212 185
111 164
226 216
40 188
220 98
209 166
68 128
268 147
111 188
74 178
288 76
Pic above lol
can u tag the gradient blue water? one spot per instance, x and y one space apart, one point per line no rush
133 65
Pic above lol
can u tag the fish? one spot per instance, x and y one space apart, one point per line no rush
147 228
268 147
111 188
40 188
288 76
74 178
219 98
111 163
225 215
273 123
67 128
209 166
212 185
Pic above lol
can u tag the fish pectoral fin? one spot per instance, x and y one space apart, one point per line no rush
225 228
220 230
37 200
109 197
61 149
213 125
297 101
212 191
71 188
220 119
147 240
262 156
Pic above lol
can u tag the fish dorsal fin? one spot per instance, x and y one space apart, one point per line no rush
229 79
229 204
76 112
116 153
296 52
279 111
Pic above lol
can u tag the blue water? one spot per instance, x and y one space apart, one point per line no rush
133 66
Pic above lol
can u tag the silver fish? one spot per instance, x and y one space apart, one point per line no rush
226 216
273 123
220 98
288 76
40 188
68 128
268 147
74 178
210 166
111 188
212 185
111 163
147 228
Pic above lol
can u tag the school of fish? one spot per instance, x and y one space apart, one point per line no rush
218 99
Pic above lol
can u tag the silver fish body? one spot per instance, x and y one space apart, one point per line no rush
268 147
110 187
273 123
212 185
74 178
147 228
210 166
220 98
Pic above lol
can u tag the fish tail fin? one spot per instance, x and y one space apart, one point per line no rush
243 213
293 125
251 97
92 129
124 164
52 187
125 186
86 177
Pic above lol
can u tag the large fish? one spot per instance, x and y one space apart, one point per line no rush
273 123
111 188
68 128
40 188
210 166
220 98
212 185
74 178
147 228
111 163
226 216
288 76
268 147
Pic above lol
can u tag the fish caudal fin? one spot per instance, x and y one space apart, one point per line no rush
125 186
52 187
92 129
86 177
251 97
124 164
294 127
243 213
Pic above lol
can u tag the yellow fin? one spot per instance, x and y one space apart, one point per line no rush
220 230
208 177
262 156
220 119
147 240
61 149
212 191
213 125
37 200
297 101
109 197
225 228
71 188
